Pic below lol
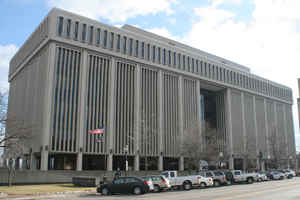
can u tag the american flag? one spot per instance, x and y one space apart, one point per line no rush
97 130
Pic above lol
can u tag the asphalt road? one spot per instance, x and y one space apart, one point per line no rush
272 190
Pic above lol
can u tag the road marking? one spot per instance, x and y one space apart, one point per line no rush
290 186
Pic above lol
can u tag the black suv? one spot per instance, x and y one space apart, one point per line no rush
124 185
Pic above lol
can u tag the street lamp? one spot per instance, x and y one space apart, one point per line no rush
126 161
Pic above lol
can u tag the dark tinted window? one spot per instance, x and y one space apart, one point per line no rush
131 180
111 40
119 181
91 34
105 38
76 30
118 42
124 44
69 28
237 173
209 174
172 174
143 49
218 173
98 36
136 48
83 32
60 25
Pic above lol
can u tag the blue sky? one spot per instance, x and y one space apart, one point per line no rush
262 35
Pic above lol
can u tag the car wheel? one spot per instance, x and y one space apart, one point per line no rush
202 185
105 191
156 188
249 180
229 183
217 183
137 190
187 186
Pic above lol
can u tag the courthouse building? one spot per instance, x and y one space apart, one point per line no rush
75 74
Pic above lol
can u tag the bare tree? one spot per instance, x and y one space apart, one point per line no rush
14 135
277 149
207 146
249 154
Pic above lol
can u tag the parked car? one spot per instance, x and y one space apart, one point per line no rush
262 177
286 173
218 177
185 182
159 182
149 182
229 177
275 175
205 181
297 173
291 173
240 177
125 185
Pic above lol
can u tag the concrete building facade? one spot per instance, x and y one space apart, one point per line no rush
75 74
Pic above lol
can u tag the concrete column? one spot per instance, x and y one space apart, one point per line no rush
79 162
229 128
109 162
137 163
231 163
199 111
82 107
181 117
160 121
48 107
111 114
256 133
181 163
160 163
32 162
267 129
263 166
244 123
44 159
137 117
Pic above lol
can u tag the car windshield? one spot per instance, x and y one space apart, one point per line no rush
217 173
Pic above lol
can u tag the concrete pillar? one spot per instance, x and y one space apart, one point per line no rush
160 163
244 124
229 128
79 162
267 128
160 121
256 133
32 162
82 108
109 162
181 117
263 166
181 163
231 163
137 163
111 114
199 111
44 160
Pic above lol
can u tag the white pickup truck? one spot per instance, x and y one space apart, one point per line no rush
239 176
186 182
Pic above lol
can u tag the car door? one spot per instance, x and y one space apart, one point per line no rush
118 185
237 176
130 182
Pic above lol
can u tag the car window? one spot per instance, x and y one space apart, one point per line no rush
156 178
218 173
237 173
145 178
130 180
165 174
119 181
202 174
209 174
172 174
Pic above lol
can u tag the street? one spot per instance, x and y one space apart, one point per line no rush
272 190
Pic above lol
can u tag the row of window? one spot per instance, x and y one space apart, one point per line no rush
160 55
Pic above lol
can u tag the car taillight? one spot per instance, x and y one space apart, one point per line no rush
163 180
145 183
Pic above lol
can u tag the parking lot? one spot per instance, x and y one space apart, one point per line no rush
288 189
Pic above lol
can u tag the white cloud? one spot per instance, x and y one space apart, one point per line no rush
163 32
172 21
116 10
269 43
6 53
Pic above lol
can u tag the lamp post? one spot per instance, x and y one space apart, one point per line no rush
126 161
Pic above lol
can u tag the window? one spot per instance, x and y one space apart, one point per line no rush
136 48
76 30
111 40
98 36
153 53
193 65
119 181
83 32
174 59
68 28
60 25
118 42
169 57
158 56
148 51
188 64
124 44
197 66
179 60
131 180
105 39
143 49
164 56
130 46
91 34
183 62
